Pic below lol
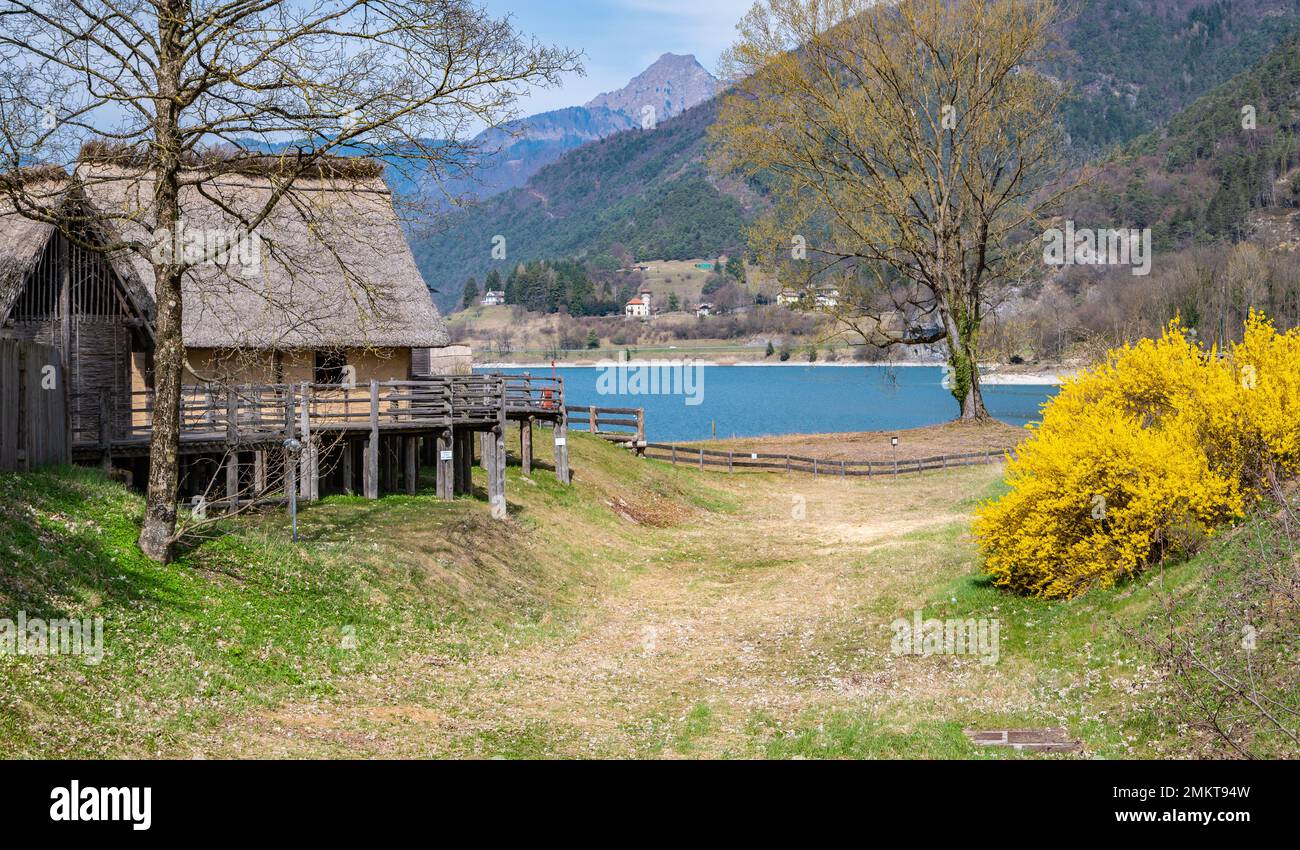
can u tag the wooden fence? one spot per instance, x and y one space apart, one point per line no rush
35 429
617 424
734 461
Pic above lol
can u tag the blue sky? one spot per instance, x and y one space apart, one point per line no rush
622 37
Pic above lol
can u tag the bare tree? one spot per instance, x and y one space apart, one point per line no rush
907 146
166 81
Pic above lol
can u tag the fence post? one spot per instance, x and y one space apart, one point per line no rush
674 448
640 431
843 470
730 456
701 460
591 413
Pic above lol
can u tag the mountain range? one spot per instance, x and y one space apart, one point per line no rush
1138 68
514 152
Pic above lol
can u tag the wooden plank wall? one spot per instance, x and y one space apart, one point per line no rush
34 423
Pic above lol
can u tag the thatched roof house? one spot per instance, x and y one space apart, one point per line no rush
326 280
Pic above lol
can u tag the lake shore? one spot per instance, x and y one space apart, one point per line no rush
995 375
950 438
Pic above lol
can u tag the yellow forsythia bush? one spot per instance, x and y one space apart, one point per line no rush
1163 442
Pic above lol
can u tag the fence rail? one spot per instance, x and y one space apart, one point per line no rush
734 461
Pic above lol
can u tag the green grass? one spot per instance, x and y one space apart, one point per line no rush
245 622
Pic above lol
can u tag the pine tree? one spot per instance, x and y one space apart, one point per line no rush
471 294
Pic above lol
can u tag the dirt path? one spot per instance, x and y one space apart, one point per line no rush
716 640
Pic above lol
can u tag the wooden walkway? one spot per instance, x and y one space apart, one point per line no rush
364 438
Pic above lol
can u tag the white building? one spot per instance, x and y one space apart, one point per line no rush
704 310
637 308
824 298
493 298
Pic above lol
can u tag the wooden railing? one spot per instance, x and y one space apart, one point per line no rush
737 461
530 396
264 413
616 424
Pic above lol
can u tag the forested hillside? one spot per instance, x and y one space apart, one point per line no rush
1135 65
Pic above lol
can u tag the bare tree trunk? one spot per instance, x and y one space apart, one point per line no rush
158 534
159 530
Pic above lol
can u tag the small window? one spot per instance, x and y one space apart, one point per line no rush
330 366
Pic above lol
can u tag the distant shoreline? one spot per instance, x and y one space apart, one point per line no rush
1050 376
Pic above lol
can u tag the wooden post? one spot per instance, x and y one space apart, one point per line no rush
232 479
290 478
593 419
640 431
412 465
562 471
526 445
446 465
347 472
494 448
701 460
259 474
371 472
674 455
730 458
106 430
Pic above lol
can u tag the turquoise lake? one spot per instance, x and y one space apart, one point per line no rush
752 401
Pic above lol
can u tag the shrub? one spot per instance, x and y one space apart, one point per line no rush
1144 455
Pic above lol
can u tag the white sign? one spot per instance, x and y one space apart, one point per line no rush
446 455
561 441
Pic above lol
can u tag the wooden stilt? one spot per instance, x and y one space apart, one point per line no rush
412 465
562 450
348 475
259 474
526 445
372 445
232 480
494 459
446 465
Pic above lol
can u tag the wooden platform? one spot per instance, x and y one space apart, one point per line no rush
364 438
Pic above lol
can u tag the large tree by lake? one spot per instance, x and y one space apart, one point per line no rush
905 148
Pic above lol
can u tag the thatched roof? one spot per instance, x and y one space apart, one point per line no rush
23 239
335 269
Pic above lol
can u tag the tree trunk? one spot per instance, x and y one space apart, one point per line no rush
159 531
158 534
963 357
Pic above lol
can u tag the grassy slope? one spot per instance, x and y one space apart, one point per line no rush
506 615
245 620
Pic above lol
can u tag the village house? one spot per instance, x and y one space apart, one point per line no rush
493 298
639 307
